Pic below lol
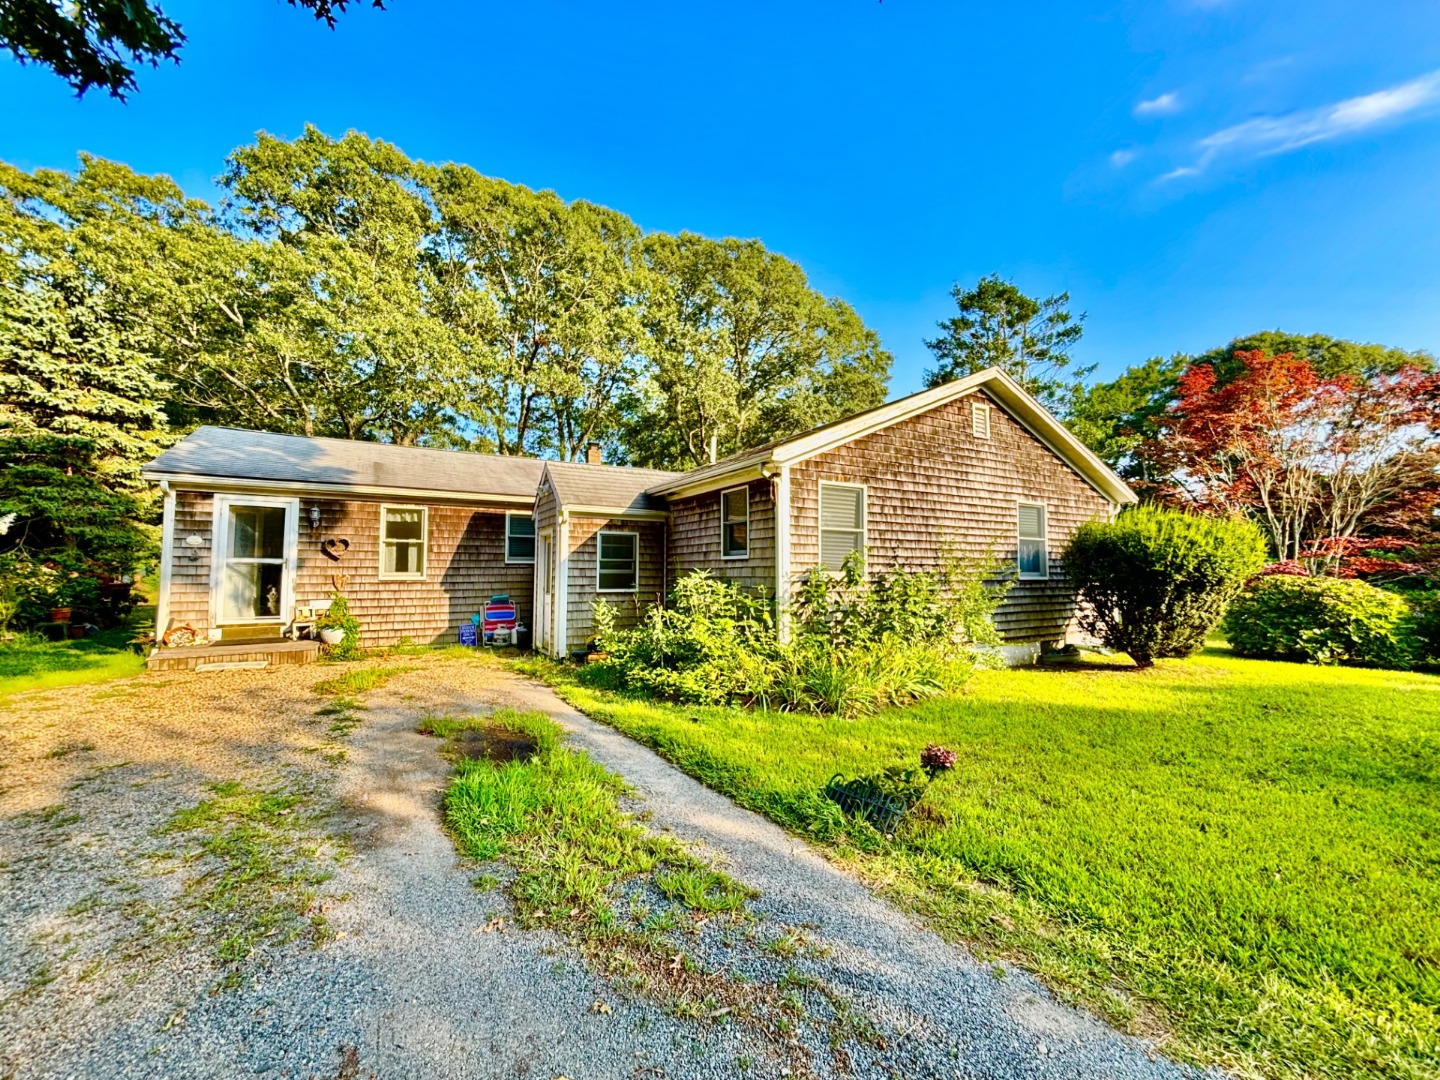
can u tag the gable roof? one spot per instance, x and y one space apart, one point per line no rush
264 459
606 487
1005 391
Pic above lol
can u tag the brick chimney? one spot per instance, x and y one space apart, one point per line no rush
592 454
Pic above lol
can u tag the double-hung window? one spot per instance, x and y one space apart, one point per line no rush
735 523
618 565
1031 558
403 534
842 523
519 538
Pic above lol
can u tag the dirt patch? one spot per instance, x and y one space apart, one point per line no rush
493 743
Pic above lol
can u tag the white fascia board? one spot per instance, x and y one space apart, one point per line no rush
200 482
617 512
741 472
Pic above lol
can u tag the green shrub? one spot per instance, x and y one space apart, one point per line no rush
857 645
1155 581
1321 620
1425 624
713 643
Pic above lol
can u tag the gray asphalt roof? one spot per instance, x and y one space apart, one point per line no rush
236 454
614 486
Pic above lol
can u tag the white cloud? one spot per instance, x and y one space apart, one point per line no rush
1268 135
1159 106
1121 158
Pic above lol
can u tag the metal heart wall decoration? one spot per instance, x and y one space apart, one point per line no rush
335 546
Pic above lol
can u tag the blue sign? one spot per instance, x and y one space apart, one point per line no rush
469 634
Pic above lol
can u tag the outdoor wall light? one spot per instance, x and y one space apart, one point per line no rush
314 516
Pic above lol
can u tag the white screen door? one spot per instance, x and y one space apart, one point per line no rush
253 578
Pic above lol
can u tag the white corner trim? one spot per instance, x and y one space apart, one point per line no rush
167 558
782 552
560 647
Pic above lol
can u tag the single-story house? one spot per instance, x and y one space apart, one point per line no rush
258 526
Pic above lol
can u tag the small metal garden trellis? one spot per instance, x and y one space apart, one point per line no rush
861 798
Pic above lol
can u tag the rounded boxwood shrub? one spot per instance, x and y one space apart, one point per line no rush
1321 620
1155 581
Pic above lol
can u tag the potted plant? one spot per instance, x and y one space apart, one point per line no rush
338 629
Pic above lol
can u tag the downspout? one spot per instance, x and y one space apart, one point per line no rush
167 558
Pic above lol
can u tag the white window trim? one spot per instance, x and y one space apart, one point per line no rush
979 415
1044 539
746 553
534 535
635 543
220 556
424 543
864 524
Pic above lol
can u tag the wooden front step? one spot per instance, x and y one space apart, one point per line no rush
231 657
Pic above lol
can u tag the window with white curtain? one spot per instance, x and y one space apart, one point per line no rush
404 531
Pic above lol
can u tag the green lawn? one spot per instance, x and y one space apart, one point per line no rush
1242 858
28 664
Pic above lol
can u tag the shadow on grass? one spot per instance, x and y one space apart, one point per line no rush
33 663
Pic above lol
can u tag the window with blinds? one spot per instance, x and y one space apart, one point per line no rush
1031 558
842 523
618 565
735 523
403 535
980 419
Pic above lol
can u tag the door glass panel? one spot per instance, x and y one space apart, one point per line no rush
252 590
257 532
252 580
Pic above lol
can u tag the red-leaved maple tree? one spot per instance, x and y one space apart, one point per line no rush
1315 460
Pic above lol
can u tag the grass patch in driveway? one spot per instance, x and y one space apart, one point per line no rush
1239 856
358 681
629 898
555 816
262 855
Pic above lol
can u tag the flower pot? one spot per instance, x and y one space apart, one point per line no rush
332 635
60 614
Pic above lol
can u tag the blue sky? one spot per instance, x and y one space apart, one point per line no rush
1190 170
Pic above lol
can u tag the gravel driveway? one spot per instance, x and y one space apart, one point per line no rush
418 972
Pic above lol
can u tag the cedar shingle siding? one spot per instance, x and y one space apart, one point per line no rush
582 592
465 565
931 483
695 538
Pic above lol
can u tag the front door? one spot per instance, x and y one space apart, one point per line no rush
544 591
252 580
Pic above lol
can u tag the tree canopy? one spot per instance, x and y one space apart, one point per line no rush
996 325
91 43
341 288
